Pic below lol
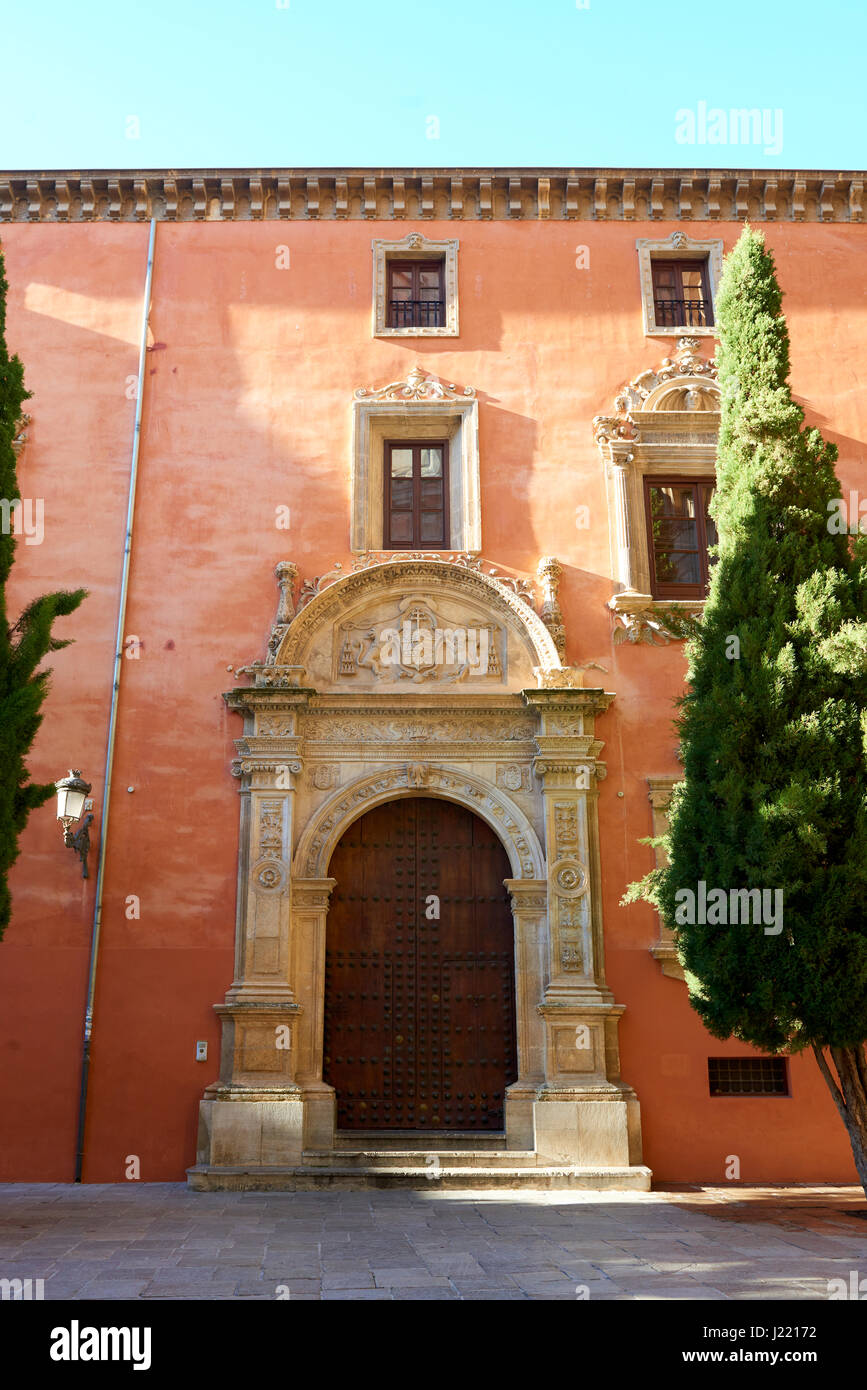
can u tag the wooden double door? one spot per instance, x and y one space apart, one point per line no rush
419 971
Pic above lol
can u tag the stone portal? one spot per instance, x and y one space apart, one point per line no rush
327 741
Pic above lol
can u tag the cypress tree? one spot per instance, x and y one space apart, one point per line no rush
773 727
22 644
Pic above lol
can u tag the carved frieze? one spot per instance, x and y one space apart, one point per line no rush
419 728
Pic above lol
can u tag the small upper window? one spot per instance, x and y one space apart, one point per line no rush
416 494
681 294
680 530
416 294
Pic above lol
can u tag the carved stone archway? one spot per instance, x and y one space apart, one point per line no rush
329 733
337 813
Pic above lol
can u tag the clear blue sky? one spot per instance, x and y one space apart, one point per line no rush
239 83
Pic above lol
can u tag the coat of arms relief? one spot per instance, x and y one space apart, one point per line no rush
414 640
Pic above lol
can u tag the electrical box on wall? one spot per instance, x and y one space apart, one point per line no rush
201 1052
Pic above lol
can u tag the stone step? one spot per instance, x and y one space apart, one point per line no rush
376 1157
414 1177
413 1141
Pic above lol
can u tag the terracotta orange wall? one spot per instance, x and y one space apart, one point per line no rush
247 409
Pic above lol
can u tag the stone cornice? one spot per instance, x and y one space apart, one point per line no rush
469 195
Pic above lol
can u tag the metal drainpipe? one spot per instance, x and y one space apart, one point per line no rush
112 721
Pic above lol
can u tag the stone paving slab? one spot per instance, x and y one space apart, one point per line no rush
163 1241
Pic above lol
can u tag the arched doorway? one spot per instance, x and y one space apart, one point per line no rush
419 971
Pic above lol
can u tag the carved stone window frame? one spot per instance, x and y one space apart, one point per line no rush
419 408
415 247
646 439
677 247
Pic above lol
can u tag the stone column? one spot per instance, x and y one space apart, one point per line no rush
584 1114
619 472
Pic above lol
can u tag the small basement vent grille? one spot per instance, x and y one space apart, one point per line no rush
747 1076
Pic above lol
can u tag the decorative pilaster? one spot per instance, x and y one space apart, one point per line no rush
580 1017
262 939
568 767
260 1018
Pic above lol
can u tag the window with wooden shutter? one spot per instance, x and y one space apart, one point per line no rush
680 530
416 494
681 294
416 295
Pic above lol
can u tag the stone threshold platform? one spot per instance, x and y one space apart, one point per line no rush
353 1170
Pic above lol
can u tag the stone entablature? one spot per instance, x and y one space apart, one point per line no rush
617 195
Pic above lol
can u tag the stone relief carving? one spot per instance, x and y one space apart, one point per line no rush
637 619
570 877
418 386
269 871
559 677
522 587
271 829
309 897
322 776
529 902
412 641
276 725
370 559
453 581
572 920
565 827
514 777
467 791
273 676
571 956
414 729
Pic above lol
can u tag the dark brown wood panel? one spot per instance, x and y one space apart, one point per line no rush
420 1012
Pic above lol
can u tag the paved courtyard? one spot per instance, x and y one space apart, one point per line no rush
162 1241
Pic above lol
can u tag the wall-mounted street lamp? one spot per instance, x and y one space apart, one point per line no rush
71 793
